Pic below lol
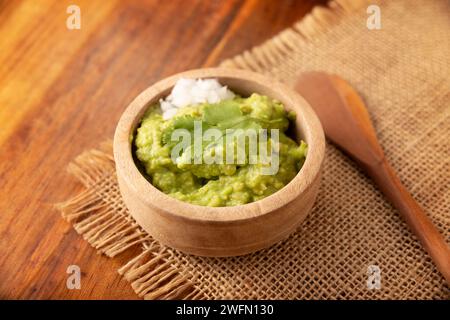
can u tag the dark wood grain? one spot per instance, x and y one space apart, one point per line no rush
62 91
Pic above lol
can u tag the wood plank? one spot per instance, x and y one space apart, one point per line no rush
33 57
63 91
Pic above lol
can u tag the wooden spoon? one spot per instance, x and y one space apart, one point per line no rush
346 122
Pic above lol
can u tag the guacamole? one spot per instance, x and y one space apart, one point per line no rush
191 176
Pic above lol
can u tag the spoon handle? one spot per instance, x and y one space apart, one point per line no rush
389 183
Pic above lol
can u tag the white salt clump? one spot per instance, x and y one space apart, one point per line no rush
165 106
193 91
169 113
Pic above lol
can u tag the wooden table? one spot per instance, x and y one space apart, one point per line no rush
62 91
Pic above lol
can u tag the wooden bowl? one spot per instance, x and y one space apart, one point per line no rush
220 231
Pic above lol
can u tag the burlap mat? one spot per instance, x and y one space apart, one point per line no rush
402 71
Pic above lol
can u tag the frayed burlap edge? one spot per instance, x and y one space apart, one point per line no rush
112 231
108 231
152 273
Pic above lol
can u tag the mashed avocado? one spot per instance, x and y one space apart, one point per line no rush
191 178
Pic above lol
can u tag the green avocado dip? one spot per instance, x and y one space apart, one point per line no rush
189 177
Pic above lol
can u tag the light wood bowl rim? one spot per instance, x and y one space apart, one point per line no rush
153 197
